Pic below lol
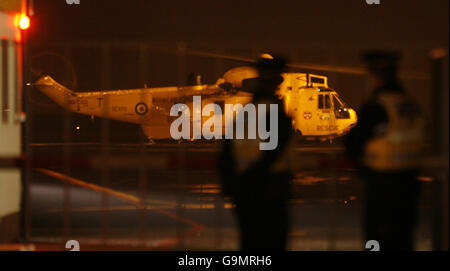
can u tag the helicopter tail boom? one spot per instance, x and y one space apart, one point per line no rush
55 91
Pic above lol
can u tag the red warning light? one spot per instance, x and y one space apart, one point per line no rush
24 22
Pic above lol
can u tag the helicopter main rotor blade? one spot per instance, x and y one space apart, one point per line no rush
220 56
302 66
309 66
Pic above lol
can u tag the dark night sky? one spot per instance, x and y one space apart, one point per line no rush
311 20
314 29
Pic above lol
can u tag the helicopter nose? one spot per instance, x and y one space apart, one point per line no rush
353 118
353 114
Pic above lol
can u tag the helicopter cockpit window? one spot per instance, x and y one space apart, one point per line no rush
337 103
320 99
340 111
324 101
327 102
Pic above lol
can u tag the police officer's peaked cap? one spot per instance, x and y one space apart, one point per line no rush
268 62
379 61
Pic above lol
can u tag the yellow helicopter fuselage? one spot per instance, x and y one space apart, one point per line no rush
315 109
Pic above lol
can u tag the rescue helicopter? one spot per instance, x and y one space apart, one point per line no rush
316 109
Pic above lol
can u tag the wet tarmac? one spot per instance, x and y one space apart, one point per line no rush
168 196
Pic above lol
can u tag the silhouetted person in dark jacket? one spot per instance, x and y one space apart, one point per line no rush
386 145
259 184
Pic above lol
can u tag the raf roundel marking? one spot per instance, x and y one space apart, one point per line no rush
307 115
141 109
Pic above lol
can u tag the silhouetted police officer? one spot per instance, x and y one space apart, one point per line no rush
258 180
386 144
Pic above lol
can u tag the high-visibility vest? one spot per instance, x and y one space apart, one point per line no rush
398 144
